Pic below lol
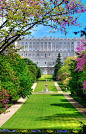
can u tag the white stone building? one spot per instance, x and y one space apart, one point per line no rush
44 51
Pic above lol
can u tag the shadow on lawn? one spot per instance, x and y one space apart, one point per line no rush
67 105
56 94
61 117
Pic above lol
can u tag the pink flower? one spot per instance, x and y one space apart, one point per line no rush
6 107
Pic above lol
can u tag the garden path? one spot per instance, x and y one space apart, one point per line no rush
78 106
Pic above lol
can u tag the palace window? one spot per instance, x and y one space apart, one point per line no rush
53 47
45 47
45 62
30 48
49 47
33 47
45 55
41 46
56 47
37 47
37 54
29 54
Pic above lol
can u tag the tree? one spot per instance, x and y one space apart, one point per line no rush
68 60
78 72
75 83
29 62
18 17
82 32
57 66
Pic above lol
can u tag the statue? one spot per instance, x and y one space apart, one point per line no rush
46 90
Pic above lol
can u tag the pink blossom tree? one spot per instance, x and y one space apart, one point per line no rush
81 60
19 17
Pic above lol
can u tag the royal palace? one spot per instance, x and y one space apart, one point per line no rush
44 51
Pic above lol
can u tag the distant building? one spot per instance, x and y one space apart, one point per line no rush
44 51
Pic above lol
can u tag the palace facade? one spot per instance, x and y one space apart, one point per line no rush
44 51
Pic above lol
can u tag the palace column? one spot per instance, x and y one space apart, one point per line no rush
51 46
47 46
32 46
43 46
28 46
24 46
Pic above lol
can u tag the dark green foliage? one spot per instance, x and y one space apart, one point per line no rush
38 73
9 81
75 84
81 101
33 71
29 62
57 66
15 77
63 88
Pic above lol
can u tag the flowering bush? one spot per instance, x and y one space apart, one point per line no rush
81 60
84 85
4 99
66 81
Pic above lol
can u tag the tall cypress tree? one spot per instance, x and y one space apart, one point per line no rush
57 66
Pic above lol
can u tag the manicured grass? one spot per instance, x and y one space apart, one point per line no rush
45 111
49 77
41 86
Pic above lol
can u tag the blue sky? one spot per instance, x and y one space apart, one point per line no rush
43 30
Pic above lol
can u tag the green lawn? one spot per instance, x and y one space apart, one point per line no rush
49 77
45 111
41 86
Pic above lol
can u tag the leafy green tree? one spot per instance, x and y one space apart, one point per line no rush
57 66
21 69
33 71
68 60
15 77
9 80
75 83
64 71
38 73
29 62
